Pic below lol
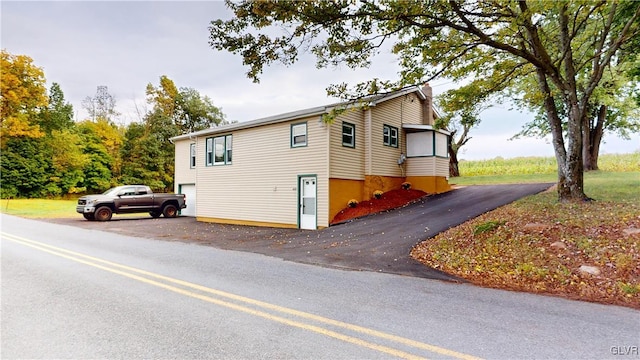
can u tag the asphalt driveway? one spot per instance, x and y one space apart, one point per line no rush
379 243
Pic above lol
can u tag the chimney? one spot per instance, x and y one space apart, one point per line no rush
427 110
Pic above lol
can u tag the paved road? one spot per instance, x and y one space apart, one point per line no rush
69 292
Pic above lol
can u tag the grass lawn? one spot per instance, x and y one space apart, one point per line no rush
539 245
44 208
39 208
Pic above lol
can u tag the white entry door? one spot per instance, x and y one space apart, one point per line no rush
308 202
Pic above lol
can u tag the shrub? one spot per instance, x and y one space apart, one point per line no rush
406 185
352 203
487 226
377 194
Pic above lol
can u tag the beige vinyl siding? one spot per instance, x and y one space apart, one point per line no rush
262 183
346 162
411 108
442 167
421 166
428 166
384 159
184 174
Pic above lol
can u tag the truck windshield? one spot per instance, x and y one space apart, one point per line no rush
113 191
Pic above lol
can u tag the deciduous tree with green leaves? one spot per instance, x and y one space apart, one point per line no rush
148 153
457 39
42 153
101 140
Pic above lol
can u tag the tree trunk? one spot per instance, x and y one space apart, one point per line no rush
592 140
570 167
454 171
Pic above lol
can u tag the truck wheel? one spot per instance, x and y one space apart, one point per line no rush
155 214
103 213
170 211
88 216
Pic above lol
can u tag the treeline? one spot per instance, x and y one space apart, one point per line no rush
45 153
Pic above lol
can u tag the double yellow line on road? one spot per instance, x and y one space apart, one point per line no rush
246 305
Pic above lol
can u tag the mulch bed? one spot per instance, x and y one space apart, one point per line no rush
389 200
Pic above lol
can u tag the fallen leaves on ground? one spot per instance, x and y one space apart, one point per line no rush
588 251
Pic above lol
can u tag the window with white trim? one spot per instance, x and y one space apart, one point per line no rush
348 135
228 148
299 135
192 159
208 157
390 135
219 150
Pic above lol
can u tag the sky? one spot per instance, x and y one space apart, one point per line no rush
126 45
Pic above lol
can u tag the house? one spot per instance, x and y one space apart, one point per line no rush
296 170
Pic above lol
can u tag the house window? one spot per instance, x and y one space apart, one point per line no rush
390 135
209 152
229 147
299 135
348 135
192 160
219 150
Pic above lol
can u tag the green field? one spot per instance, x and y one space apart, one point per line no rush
544 169
543 165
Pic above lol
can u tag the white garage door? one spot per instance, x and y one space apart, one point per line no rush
190 192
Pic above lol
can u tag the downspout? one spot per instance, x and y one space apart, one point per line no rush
402 158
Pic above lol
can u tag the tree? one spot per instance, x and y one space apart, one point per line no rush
149 153
68 160
42 153
197 112
472 39
58 114
146 159
63 145
462 107
186 107
102 105
458 123
22 95
101 141
611 109
25 166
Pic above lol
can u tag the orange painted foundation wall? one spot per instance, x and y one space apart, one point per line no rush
341 191
429 184
382 183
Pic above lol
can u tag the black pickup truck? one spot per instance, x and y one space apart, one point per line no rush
130 199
